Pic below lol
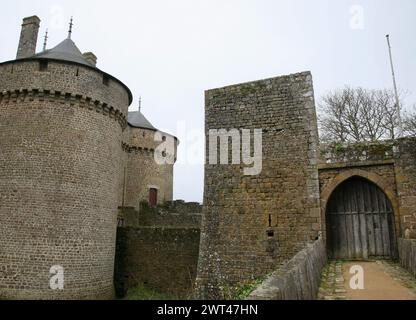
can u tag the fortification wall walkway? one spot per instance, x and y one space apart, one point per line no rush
383 280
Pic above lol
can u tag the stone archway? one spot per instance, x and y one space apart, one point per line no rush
360 222
379 188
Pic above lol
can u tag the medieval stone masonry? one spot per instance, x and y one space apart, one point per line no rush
70 159
251 223
81 191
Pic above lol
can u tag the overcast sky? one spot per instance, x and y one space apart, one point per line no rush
169 52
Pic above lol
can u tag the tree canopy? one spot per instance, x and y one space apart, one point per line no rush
358 114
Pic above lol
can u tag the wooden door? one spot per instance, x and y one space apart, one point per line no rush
360 222
153 197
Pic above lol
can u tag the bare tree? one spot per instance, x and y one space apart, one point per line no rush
336 117
409 123
358 114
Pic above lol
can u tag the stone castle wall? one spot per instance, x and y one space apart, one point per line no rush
389 164
72 169
252 223
405 170
298 279
61 145
158 248
178 214
160 258
70 164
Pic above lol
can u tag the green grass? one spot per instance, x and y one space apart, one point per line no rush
242 290
144 293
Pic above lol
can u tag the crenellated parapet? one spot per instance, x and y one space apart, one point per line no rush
24 95
143 151
137 150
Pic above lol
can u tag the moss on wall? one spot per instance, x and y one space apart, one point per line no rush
160 259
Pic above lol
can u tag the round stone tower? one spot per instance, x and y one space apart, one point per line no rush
146 179
61 129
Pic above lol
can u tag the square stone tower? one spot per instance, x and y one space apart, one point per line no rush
253 222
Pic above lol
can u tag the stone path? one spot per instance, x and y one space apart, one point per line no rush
383 280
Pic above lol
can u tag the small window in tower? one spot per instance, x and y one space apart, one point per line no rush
77 74
153 197
43 65
106 80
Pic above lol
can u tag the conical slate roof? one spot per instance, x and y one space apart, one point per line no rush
67 51
138 120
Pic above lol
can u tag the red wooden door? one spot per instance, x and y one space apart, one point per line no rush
153 197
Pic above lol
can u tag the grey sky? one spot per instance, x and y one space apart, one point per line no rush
169 52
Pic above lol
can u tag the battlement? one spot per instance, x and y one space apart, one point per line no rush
23 95
137 150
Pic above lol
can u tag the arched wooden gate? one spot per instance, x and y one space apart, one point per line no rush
360 222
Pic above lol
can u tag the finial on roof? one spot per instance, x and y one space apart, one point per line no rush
45 42
140 104
70 28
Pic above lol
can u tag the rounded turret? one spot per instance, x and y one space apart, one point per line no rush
61 130
146 179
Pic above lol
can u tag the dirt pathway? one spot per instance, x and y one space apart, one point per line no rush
382 280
